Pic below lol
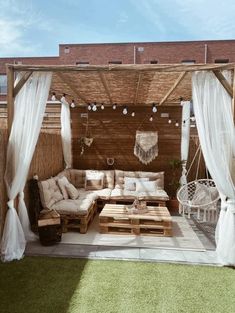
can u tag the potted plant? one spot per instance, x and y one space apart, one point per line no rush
175 167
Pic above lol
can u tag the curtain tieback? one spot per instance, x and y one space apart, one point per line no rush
228 204
10 204
21 195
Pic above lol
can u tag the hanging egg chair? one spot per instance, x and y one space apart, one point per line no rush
200 195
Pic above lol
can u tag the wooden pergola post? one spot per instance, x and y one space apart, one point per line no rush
233 100
10 97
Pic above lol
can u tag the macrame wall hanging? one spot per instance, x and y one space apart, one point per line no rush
146 146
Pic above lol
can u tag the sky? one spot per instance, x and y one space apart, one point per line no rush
37 27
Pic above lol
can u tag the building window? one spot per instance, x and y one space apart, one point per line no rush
221 60
153 62
82 63
66 50
115 62
188 61
3 84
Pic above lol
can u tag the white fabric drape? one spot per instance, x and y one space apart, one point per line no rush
185 137
66 132
29 108
213 112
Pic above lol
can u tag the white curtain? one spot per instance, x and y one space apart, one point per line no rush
185 137
214 118
66 132
29 108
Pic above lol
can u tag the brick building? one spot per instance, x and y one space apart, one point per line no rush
219 51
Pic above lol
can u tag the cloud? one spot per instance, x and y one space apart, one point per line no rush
15 20
198 19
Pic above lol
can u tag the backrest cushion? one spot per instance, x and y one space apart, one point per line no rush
72 191
108 177
75 177
49 192
119 177
94 180
62 182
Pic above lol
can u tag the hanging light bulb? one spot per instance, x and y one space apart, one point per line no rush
102 106
72 104
89 106
154 108
151 118
125 111
133 114
53 97
169 121
176 124
94 107
114 106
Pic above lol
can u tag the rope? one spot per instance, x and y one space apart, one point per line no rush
193 160
198 163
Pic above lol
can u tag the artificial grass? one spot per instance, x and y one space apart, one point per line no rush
43 285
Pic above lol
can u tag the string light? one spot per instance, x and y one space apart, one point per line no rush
94 107
169 121
89 106
102 106
125 111
114 106
154 108
72 104
176 124
151 118
133 114
53 97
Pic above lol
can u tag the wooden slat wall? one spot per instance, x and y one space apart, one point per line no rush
114 136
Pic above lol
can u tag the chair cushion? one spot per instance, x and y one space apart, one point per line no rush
62 182
130 182
119 193
119 177
94 180
78 206
153 195
103 194
49 192
72 191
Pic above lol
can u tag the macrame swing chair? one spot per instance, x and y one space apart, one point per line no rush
200 195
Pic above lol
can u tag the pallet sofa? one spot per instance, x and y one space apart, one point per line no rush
78 213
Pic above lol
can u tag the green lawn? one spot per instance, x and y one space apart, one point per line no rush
42 285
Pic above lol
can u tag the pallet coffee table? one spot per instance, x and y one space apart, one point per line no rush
114 219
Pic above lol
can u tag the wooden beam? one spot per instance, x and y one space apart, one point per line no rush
137 89
125 67
104 82
170 91
224 82
10 98
21 82
65 79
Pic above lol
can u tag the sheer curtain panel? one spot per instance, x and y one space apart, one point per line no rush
185 137
66 132
214 118
29 108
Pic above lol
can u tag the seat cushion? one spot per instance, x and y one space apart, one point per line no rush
118 193
103 194
153 195
78 206
49 192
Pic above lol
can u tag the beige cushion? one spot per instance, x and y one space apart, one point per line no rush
72 191
75 177
49 192
130 182
78 206
147 186
119 177
94 180
62 182
154 195
119 193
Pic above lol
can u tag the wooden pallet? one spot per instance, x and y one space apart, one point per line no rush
75 221
115 220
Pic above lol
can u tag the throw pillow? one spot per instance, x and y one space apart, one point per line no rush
94 180
201 195
130 182
62 182
146 186
72 191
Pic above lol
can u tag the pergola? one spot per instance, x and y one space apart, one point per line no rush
129 84
143 85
